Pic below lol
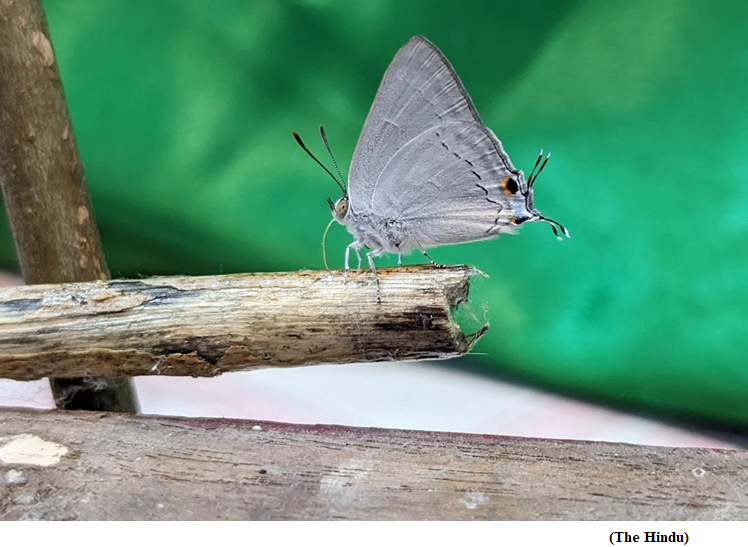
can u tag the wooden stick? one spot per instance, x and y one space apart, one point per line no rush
205 326
71 466
43 183
42 177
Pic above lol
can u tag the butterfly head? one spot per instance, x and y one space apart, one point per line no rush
531 213
339 208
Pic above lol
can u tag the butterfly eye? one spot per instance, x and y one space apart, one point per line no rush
341 208
519 220
510 186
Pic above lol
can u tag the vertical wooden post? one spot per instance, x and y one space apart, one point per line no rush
43 181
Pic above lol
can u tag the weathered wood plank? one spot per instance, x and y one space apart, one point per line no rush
43 182
204 326
133 467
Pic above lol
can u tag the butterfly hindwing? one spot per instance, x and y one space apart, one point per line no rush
450 185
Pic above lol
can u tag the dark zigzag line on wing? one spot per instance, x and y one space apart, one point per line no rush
501 207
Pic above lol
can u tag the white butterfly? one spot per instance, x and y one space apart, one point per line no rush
426 171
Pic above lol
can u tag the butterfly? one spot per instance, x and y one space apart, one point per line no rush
426 172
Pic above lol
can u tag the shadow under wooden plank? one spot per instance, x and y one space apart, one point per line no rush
103 466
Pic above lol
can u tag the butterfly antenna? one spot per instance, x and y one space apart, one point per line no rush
303 146
537 162
553 225
531 182
329 151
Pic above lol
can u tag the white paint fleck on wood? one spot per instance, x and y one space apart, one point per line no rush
14 477
25 449
471 500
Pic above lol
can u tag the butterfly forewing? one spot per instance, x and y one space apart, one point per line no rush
420 90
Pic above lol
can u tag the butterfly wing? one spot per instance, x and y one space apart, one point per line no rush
449 185
420 90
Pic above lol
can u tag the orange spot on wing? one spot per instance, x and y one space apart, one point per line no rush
504 186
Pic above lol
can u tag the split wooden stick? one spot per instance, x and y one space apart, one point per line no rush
205 326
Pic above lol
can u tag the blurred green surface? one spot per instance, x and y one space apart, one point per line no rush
183 112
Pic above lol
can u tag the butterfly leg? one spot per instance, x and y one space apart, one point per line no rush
399 259
356 246
370 257
434 264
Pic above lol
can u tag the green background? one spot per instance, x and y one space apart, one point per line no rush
183 112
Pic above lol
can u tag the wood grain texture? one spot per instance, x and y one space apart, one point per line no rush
43 181
132 467
205 326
